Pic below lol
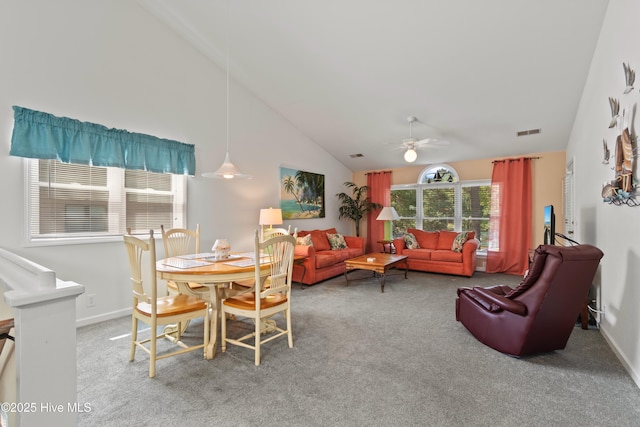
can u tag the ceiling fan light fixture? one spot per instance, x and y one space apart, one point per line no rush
410 155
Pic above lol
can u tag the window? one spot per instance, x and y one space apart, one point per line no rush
75 202
439 201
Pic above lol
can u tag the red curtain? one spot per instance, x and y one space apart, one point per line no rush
510 218
379 191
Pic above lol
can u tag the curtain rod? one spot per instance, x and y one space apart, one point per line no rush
515 160
373 173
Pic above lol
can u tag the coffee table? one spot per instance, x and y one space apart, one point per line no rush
378 263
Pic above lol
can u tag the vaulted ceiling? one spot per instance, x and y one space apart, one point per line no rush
348 73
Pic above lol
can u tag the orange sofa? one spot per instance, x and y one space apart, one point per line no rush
321 262
435 253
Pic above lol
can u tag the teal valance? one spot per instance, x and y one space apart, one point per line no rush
41 135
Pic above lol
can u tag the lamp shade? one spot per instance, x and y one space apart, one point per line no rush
270 216
388 213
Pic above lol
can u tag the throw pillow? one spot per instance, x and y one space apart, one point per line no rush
459 241
336 241
410 241
320 241
445 241
426 239
304 240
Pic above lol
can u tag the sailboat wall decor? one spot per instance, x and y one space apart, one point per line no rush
621 190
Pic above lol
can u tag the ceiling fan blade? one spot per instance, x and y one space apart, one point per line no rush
432 142
395 146
414 143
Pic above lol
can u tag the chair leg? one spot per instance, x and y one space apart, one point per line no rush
207 332
223 331
258 338
134 338
152 355
287 314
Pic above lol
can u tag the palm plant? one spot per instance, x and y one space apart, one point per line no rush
356 205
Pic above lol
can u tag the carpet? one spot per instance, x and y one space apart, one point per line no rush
360 358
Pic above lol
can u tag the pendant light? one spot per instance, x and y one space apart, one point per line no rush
227 170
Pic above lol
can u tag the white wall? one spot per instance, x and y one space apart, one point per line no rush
114 64
614 229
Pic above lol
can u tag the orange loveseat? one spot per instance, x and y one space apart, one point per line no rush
435 253
321 262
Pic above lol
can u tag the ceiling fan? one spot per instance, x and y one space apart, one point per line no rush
411 144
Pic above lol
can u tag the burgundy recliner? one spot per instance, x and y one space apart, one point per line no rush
539 314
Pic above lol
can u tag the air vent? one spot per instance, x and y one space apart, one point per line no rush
353 156
529 132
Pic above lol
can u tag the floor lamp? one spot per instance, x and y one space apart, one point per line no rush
388 214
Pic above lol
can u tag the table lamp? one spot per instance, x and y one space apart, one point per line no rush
388 214
269 217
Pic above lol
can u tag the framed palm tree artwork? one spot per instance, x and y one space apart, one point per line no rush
301 194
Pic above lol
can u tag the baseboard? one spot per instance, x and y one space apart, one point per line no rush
103 317
634 375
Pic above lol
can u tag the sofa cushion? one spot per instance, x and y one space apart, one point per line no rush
445 241
341 255
459 241
325 259
426 239
410 241
446 255
336 241
353 252
424 254
320 241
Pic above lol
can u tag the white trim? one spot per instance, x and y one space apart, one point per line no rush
103 317
620 354
434 166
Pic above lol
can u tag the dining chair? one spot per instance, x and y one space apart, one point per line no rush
156 311
266 234
271 232
181 241
265 301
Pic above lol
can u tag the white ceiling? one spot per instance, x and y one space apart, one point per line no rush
348 73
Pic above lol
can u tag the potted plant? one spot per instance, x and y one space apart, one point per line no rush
356 205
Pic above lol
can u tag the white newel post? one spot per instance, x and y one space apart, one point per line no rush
44 310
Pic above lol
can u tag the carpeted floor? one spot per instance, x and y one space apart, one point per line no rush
360 358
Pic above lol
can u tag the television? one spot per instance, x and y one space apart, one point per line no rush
549 226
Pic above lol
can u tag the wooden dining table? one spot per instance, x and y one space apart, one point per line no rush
218 276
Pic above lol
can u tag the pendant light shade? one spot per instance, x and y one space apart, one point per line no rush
227 170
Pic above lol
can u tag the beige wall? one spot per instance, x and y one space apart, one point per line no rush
547 172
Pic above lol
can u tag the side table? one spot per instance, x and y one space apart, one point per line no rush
299 260
389 244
